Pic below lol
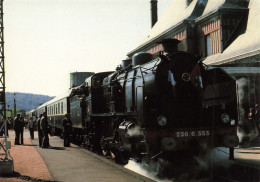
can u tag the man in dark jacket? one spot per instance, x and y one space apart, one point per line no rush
17 124
67 125
22 124
40 134
257 117
44 127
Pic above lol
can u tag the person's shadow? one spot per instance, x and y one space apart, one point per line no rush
23 177
29 145
55 148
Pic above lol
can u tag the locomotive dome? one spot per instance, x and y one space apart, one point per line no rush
141 58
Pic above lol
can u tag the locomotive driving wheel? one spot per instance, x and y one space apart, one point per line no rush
122 157
104 152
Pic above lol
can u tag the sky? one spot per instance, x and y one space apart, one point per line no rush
46 40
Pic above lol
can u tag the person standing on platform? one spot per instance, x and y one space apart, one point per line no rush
17 125
22 124
67 125
257 117
31 128
44 127
40 134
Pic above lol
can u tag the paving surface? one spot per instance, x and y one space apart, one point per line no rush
77 164
70 164
28 164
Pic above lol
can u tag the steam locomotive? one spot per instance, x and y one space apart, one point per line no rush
151 106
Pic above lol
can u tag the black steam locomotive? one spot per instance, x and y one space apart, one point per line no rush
152 106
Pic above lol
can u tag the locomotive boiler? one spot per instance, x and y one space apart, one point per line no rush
156 105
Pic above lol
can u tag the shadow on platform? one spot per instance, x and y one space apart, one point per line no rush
55 148
249 152
33 145
27 178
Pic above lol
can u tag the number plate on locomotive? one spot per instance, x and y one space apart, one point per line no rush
199 133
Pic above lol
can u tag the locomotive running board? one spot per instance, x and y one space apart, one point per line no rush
114 114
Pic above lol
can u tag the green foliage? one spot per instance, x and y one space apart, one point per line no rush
24 101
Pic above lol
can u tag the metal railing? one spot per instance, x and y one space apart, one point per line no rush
4 144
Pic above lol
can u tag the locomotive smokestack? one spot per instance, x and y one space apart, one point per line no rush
188 2
154 15
169 45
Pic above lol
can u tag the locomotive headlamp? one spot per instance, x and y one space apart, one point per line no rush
225 118
168 144
161 120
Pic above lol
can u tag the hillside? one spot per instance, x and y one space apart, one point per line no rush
25 101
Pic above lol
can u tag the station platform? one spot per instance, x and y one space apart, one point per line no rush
63 164
67 164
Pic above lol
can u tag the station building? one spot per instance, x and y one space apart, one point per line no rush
224 33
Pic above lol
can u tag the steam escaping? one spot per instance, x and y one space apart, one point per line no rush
246 130
149 171
134 132
242 87
217 157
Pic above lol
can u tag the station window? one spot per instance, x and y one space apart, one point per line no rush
208 44
212 37
61 107
58 108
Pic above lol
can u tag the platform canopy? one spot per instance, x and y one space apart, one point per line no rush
242 70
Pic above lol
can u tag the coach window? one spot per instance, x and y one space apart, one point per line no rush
58 108
61 107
